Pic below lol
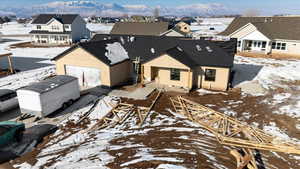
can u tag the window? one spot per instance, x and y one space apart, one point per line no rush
175 74
239 44
55 27
264 44
210 74
283 46
279 46
273 45
67 26
38 27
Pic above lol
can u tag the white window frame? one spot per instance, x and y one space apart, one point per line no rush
279 46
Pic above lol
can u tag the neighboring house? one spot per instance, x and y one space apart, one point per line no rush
140 28
151 29
168 61
181 29
266 34
58 29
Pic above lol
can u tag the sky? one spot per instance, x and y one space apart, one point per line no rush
266 7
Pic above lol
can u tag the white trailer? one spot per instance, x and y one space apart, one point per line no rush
43 98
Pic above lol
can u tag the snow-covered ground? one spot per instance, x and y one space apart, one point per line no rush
27 58
217 24
100 28
14 28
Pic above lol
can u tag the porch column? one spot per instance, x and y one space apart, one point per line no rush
268 47
242 45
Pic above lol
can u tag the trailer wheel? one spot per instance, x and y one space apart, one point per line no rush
65 106
70 102
19 135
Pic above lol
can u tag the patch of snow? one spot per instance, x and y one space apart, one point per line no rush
203 92
275 131
170 166
99 28
14 28
290 110
22 79
116 53
280 98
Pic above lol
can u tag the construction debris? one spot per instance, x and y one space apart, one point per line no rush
244 158
230 131
121 111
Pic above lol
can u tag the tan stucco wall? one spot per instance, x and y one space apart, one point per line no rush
221 82
80 57
163 64
120 73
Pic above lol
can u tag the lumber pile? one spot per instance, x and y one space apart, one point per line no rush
122 111
230 131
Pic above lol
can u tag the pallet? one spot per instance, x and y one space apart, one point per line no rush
230 131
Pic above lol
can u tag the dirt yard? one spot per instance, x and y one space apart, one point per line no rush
271 56
168 139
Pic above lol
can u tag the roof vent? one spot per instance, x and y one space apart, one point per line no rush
179 48
152 50
132 38
208 49
198 47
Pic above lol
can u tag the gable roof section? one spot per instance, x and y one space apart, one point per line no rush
221 53
272 27
95 48
63 18
180 55
140 28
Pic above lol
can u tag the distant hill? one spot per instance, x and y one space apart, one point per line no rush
96 8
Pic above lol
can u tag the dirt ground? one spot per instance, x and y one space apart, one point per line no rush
271 56
193 152
30 45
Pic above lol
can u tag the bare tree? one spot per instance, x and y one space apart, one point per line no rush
251 13
156 13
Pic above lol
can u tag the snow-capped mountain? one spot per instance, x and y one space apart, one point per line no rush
97 8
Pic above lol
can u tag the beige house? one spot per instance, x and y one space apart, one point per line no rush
58 29
266 34
89 63
166 61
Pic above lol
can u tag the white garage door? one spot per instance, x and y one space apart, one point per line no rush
87 77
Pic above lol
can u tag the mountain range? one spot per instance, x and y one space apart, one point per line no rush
88 8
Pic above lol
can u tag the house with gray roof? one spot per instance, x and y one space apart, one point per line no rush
58 29
268 35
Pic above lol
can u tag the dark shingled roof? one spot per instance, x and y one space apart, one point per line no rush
95 48
194 52
272 27
49 84
140 28
63 18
